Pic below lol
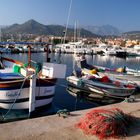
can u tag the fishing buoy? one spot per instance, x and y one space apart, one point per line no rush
120 70
93 71
105 79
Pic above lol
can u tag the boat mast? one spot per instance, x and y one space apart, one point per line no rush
0 34
78 31
67 21
75 31
32 94
47 53
29 56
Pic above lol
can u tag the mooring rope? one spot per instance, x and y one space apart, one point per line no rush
4 116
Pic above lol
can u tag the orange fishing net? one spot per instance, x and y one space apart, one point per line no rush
106 123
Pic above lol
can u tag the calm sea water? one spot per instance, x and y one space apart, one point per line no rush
62 99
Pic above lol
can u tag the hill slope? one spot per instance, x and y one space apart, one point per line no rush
34 27
132 35
103 30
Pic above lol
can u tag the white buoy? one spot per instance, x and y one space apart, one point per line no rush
32 94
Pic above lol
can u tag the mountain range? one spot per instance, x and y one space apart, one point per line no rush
132 32
103 30
34 27
132 35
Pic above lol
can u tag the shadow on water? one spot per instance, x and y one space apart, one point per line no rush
95 98
15 115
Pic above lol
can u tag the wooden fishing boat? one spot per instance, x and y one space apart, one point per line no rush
121 73
16 84
81 62
102 85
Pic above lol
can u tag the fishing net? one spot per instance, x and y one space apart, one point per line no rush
106 123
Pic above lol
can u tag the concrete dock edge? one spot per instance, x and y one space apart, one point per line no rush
58 128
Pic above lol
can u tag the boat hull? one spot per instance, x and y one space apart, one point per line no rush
100 88
16 96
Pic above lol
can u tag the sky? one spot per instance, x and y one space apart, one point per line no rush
123 14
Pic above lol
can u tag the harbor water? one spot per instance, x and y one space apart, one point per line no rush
62 99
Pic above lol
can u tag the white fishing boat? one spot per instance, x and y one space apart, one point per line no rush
64 48
17 81
121 73
120 51
102 85
80 60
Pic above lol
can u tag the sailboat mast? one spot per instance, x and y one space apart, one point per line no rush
67 21
29 56
75 31
78 31
0 34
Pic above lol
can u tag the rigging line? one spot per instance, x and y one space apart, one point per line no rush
4 116
67 21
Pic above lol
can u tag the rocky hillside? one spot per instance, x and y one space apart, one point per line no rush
34 27
104 30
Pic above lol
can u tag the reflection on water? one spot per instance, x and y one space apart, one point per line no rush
62 98
92 97
108 61
114 62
